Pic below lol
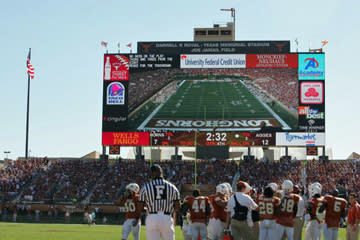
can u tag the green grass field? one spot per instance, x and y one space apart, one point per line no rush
20 231
213 100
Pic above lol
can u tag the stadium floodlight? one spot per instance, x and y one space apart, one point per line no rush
232 10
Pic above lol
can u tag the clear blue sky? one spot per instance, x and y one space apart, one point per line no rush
65 38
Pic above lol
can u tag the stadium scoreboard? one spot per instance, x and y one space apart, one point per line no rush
242 93
212 139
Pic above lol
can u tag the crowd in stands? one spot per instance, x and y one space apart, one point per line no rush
19 173
333 174
145 84
282 84
260 173
66 180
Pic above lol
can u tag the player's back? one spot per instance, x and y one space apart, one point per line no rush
316 204
213 205
335 206
287 214
130 206
221 212
267 207
197 207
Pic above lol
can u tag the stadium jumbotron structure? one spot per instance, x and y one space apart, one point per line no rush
214 100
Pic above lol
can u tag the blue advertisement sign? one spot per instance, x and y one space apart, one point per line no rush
311 67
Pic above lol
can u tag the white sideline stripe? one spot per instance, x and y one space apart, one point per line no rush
143 124
59 224
277 117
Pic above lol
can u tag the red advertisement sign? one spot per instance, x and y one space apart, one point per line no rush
271 60
126 138
116 67
311 93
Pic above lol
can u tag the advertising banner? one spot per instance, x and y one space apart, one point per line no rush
116 67
115 106
214 47
300 139
271 61
311 92
126 138
311 118
311 67
213 61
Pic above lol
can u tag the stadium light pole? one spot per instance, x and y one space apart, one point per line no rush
232 10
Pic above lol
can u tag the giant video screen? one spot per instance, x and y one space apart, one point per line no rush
211 99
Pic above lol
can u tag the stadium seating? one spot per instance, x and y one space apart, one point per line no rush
97 181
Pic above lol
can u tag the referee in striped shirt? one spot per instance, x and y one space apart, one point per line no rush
161 198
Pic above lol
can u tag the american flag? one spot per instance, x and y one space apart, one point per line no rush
29 66
129 45
324 42
104 44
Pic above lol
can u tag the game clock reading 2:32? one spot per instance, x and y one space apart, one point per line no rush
212 139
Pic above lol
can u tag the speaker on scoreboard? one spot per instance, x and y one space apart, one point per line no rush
176 157
140 157
212 152
248 158
323 159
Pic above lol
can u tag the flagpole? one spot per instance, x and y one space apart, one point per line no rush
27 114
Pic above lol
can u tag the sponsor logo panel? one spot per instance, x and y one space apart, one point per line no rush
311 67
311 118
311 92
311 112
116 67
115 94
115 106
271 60
213 61
126 138
300 139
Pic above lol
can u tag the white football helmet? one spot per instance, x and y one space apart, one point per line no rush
287 186
133 187
228 186
317 184
313 186
273 186
315 190
222 189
